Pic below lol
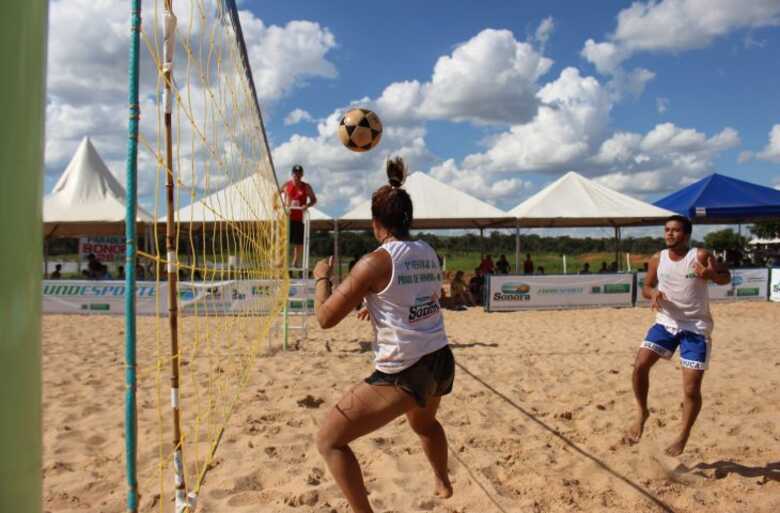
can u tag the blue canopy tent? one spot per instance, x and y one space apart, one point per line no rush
721 199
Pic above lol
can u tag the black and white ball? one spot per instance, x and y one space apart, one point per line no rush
360 130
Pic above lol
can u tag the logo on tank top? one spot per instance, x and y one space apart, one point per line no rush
424 308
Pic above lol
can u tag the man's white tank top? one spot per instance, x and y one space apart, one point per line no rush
687 305
406 315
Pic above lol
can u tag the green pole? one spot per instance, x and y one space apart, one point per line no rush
131 427
22 93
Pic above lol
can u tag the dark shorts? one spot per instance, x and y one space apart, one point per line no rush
296 233
431 376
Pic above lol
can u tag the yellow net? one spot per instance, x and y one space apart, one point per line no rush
218 252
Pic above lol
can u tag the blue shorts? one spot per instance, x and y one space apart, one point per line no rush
694 348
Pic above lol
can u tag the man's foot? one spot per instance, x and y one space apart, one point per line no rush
634 433
443 489
677 447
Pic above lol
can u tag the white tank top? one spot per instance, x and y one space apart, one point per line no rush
687 305
406 315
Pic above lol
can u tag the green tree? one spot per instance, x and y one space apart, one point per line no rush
724 240
766 229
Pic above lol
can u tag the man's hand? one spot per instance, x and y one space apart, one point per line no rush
323 268
705 273
656 298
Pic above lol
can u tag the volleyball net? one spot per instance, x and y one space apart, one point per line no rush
217 247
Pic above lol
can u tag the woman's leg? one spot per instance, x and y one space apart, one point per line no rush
363 409
434 442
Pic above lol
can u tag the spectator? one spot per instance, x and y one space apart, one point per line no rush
120 273
85 275
57 274
528 264
613 267
603 268
487 266
94 267
460 292
540 270
140 275
502 266
585 268
476 286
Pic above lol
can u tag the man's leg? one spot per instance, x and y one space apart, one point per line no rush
645 359
363 409
692 379
434 442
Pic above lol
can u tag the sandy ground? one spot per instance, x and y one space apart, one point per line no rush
535 422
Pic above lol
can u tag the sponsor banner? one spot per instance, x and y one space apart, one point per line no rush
98 297
559 291
745 284
107 249
774 287
203 298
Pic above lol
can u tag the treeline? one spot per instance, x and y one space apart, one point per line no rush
360 243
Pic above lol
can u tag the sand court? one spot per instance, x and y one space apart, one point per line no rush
535 422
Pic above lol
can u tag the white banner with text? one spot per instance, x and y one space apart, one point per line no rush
520 292
208 298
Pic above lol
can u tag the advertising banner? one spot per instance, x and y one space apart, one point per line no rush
774 288
107 249
745 284
203 298
559 291
98 297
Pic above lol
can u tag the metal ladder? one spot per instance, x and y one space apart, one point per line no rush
299 304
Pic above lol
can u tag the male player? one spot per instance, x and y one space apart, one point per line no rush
676 285
298 197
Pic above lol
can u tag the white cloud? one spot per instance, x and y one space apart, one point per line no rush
772 150
745 156
665 158
606 56
491 78
662 104
544 31
574 111
676 26
296 116
283 58
489 187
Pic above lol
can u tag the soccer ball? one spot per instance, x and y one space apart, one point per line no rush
360 130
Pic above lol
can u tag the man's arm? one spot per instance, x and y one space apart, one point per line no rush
285 196
707 268
649 290
311 196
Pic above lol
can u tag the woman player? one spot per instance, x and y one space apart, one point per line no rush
414 366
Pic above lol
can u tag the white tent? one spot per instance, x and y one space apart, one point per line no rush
436 205
87 199
574 201
250 199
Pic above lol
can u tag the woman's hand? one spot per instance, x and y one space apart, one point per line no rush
363 314
323 268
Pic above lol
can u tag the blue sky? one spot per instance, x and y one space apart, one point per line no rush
644 97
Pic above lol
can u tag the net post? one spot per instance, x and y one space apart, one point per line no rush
131 420
22 102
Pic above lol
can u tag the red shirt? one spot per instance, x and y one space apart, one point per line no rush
297 196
